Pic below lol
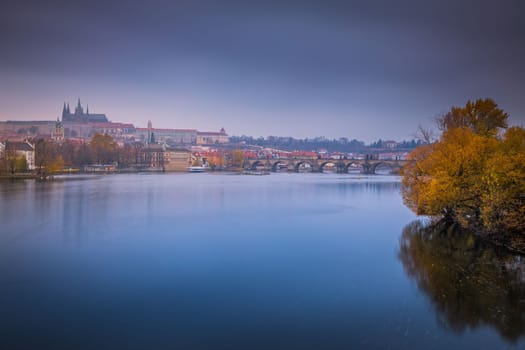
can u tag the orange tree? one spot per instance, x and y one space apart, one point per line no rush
503 200
103 148
472 175
47 157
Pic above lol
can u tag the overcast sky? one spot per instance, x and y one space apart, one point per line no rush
359 69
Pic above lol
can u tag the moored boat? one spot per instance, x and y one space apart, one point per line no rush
196 169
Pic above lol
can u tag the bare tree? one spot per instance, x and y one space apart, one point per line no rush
425 135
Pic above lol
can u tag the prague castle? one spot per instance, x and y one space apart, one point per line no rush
80 117
82 125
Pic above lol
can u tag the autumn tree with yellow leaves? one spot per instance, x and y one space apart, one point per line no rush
103 148
474 174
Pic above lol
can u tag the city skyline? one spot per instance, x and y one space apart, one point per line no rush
356 69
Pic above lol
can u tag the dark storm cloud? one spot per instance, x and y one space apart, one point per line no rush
323 37
316 50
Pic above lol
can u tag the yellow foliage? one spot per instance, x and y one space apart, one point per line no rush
470 175
103 148
56 165
237 158
504 180
215 160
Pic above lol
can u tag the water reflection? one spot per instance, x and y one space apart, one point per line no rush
469 283
185 261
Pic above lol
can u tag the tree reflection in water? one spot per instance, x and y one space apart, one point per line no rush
469 283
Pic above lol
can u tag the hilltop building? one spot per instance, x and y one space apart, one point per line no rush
212 138
390 144
119 131
169 136
20 130
82 125
80 117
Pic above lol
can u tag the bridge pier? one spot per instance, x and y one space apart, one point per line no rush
367 168
340 167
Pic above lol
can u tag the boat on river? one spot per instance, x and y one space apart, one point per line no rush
197 169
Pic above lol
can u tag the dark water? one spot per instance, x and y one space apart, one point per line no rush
201 261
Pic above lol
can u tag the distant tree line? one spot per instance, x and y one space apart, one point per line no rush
403 145
52 157
342 144
293 144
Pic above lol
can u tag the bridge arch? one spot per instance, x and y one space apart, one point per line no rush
331 163
382 165
303 166
354 167
257 163
276 166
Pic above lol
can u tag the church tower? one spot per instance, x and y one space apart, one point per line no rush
79 116
58 133
79 111
65 112
150 126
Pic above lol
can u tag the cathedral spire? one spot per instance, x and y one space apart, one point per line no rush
65 112
79 111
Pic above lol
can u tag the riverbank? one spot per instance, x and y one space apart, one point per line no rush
17 177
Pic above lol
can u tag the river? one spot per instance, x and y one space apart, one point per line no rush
218 261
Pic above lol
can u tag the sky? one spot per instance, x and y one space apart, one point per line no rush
364 69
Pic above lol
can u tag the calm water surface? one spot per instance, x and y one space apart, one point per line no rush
204 261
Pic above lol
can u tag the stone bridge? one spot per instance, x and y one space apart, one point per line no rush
310 164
